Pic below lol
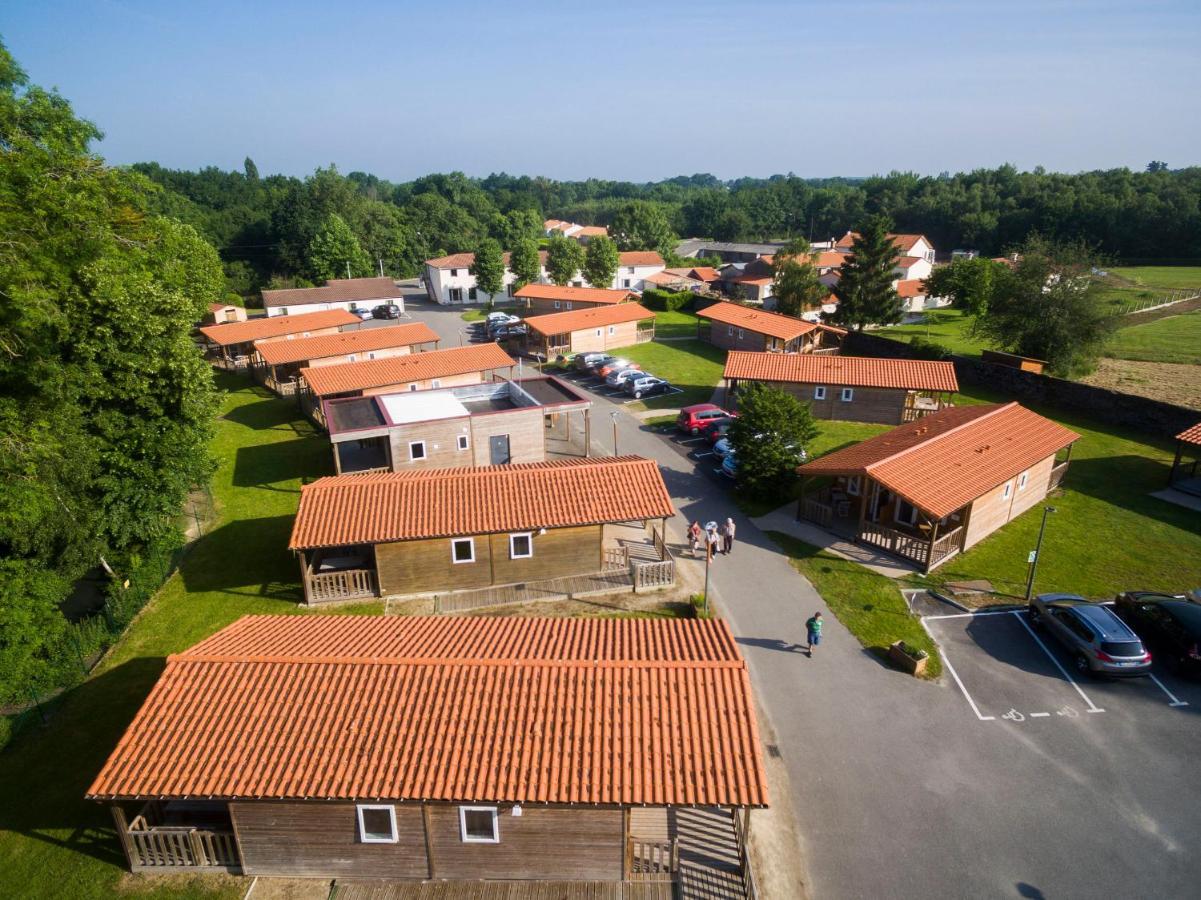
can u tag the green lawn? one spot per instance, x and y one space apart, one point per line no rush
1162 277
1175 339
948 327
53 844
675 324
695 366
869 605
1108 535
478 314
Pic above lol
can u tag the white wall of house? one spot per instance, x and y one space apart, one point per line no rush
920 269
351 305
925 250
449 286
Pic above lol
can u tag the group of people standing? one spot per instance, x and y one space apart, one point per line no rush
713 538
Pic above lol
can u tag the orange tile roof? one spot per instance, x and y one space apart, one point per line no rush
324 381
669 277
363 340
751 279
264 327
217 307
405 506
335 290
908 262
448 708
580 294
591 231
945 460
705 273
772 324
829 259
903 242
639 258
454 261
594 317
1191 435
844 371
911 287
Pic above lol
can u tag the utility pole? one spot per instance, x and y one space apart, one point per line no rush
348 268
1038 550
381 267
708 558
613 416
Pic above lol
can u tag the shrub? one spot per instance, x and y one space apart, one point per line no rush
667 301
923 348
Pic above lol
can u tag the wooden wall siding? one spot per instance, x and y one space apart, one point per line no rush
312 332
321 840
441 447
586 340
884 406
992 510
526 429
720 336
412 567
360 355
448 381
543 843
541 306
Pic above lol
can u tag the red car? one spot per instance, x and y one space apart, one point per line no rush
615 366
693 418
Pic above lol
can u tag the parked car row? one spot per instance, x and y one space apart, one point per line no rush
1113 642
621 373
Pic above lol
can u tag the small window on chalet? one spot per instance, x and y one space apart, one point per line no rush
819 392
462 441
478 825
1022 479
454 273
413 386
853 485
435 383
848 394
307 334
730 330
416 450
1007 490
740 334
350 357
521 546
569 304
377 824
283 310
612 329
371 356
462 550
556 304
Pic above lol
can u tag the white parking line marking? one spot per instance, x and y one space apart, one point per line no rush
971 702
1039 715
691 440
1092 707
1176 701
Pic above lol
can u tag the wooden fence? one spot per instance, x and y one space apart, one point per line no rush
653 860
946 546
744 853
1057 474
817 512
653 574
350 584
163 847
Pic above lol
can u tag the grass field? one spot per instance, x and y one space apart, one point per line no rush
948 327
53 844
1175 339
868 604
1162 277
675 324
695 366
477 314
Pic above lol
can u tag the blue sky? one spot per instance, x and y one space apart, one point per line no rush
625 90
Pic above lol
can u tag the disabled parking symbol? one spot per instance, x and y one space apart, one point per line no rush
1014 716
1068 711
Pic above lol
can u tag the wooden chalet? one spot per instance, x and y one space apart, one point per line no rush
449 749
437 531
588 330
733 326
278 363
222 313
541 299
231 345
852 388
930 489
1184 475
452 367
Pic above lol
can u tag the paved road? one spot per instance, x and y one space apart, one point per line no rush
900 789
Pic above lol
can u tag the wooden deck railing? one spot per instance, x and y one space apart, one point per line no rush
815 511
653 860
616 558
909 546
744 856
946 546
345 585
653 574
644 335
163 847
1057 475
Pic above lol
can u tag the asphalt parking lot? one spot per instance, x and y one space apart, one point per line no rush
596 385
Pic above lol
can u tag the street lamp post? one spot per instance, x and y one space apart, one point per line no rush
1038 551
613 416
708 558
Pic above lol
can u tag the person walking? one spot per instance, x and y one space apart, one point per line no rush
814 628
727 537
711 540
694 537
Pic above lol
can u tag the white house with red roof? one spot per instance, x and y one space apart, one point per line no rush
448 279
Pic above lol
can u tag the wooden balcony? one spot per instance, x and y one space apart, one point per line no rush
1058 472
175 847
652 860
915 547
348 584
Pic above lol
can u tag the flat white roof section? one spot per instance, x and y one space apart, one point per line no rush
422 406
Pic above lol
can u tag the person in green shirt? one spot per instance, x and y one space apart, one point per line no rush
814 627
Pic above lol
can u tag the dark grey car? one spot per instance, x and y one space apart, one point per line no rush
1100 642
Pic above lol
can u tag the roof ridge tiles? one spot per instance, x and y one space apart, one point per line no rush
448 661
1000 407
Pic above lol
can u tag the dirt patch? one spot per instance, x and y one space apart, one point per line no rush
184 884
776 847
290 889
1169 382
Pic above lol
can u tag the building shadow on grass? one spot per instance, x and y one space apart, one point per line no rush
266 465
1127 482
272 413
246 557
48 767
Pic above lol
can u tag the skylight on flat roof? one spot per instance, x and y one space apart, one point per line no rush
422 406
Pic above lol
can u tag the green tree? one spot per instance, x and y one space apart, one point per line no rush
770 437
797 286
968 282
1049 307
600 262
564 258
864 290
250 169
488 267
335 252
524 262
642 225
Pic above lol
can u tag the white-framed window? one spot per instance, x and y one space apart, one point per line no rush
462 550
1007 490
906 512
479 825
556 304
350 357
416 450
740 334
730 330
454 273
521 546
819 392
308 334
413 386
1022 479
283 310
853 485
612 329
461 441
569 304
377 824
630 270
598 332
625 282
848 394
371 356
435 382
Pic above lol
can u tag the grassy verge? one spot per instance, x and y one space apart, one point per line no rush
677 323
869 605
695 366
949 327
1175 339
1169 278
479 313
52 842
